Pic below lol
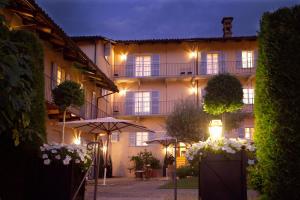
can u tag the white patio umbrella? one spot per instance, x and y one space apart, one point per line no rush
107 125
165 141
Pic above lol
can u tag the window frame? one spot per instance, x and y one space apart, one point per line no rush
142 68
248 96
248 59
140 105
249 131
141 138
212 64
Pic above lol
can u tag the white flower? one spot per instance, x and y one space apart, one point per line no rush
53 151
42 148
44 156
47 162
77 161
58 157
251 162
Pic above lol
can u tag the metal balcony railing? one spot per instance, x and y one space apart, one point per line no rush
148 108
87 111
185 69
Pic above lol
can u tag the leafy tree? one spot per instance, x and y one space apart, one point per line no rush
188 122
277 104
224 93
66 94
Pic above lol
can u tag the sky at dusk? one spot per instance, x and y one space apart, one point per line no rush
145 19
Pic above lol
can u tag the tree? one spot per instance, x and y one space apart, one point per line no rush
188 122
224 93
277 104
66 94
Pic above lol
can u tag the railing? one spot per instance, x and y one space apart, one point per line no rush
87 111
148 108
185 69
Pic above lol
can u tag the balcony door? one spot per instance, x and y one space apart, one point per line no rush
142 66
142 103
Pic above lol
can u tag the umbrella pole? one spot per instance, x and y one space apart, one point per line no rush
165 164
175 175
106 155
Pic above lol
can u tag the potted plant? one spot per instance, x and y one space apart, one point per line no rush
222 167
62 170
66 94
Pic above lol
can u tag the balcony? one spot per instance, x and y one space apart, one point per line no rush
201 69
164 108
87 111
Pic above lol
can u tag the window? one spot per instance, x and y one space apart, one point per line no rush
249 133
143 66
142 102
247 59
212 63
141 138
115 137
248 96
61 75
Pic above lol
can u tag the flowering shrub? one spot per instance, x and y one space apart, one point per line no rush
65 154
222 145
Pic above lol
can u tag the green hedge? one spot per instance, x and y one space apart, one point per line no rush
277 104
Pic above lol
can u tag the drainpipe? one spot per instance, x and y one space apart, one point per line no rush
102 96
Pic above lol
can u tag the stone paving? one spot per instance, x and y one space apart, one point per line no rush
134 189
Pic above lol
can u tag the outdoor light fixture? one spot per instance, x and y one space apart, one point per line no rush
193 54
77 140
123 92
193 90
215 129
123 57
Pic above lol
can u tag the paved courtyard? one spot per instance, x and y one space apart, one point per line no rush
133 189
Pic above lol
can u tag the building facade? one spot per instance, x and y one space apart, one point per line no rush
154 75
140 80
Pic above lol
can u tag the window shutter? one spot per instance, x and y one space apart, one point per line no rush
155 65
221 62
239 59
255 61
53 75
107 49
151 136
130 65
203 63
241 133
132 139
129 103
155 102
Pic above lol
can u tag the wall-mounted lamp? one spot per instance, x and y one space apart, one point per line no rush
123 57
123 92
193 54
77 140
193 90
215 129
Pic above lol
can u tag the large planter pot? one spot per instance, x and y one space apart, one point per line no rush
223 176
60 182
170 171
156 173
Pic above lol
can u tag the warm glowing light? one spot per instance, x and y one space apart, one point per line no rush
77 140
215 129
193 54
193 90
123 92
104 148
123 57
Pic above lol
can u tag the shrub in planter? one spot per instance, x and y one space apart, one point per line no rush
184 171
222 167
62 170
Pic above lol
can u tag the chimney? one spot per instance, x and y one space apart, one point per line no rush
227 26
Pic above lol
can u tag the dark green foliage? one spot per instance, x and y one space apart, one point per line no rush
22 86
188 122
169 160
255 178
68 93
277 104
233 120
184 171
145 159
224 93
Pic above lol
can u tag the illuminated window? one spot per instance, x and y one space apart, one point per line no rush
142 102
247 59
61 75
248 96
143 66
141 138
249 133
212 63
